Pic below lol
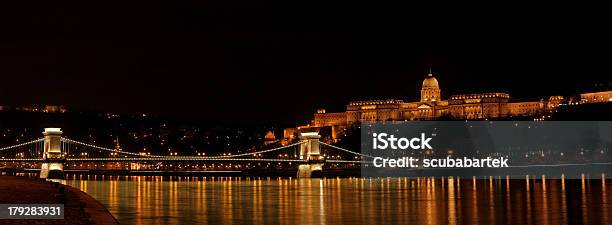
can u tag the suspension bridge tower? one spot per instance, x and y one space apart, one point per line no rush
309 151
52 167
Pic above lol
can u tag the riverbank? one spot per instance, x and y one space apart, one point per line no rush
80 208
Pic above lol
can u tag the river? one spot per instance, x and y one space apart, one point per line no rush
337 201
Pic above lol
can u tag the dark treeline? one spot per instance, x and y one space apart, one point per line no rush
134 133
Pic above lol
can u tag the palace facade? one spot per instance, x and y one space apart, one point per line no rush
431 107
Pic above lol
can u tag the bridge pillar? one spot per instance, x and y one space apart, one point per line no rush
53 166
309 151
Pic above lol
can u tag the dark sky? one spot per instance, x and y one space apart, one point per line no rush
251 61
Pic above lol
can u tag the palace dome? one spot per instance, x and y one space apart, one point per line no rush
430 82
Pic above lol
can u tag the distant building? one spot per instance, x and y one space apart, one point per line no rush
596 97
37 108
55 108
290 133
269 138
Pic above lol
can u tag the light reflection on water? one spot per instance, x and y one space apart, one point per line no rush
495 200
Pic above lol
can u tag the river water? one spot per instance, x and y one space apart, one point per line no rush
423 201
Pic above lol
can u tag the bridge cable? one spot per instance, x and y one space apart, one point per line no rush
346 150
22 144
263 151
158 156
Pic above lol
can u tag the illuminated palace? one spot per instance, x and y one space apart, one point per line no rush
431 106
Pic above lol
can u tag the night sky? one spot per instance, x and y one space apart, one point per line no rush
228 61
